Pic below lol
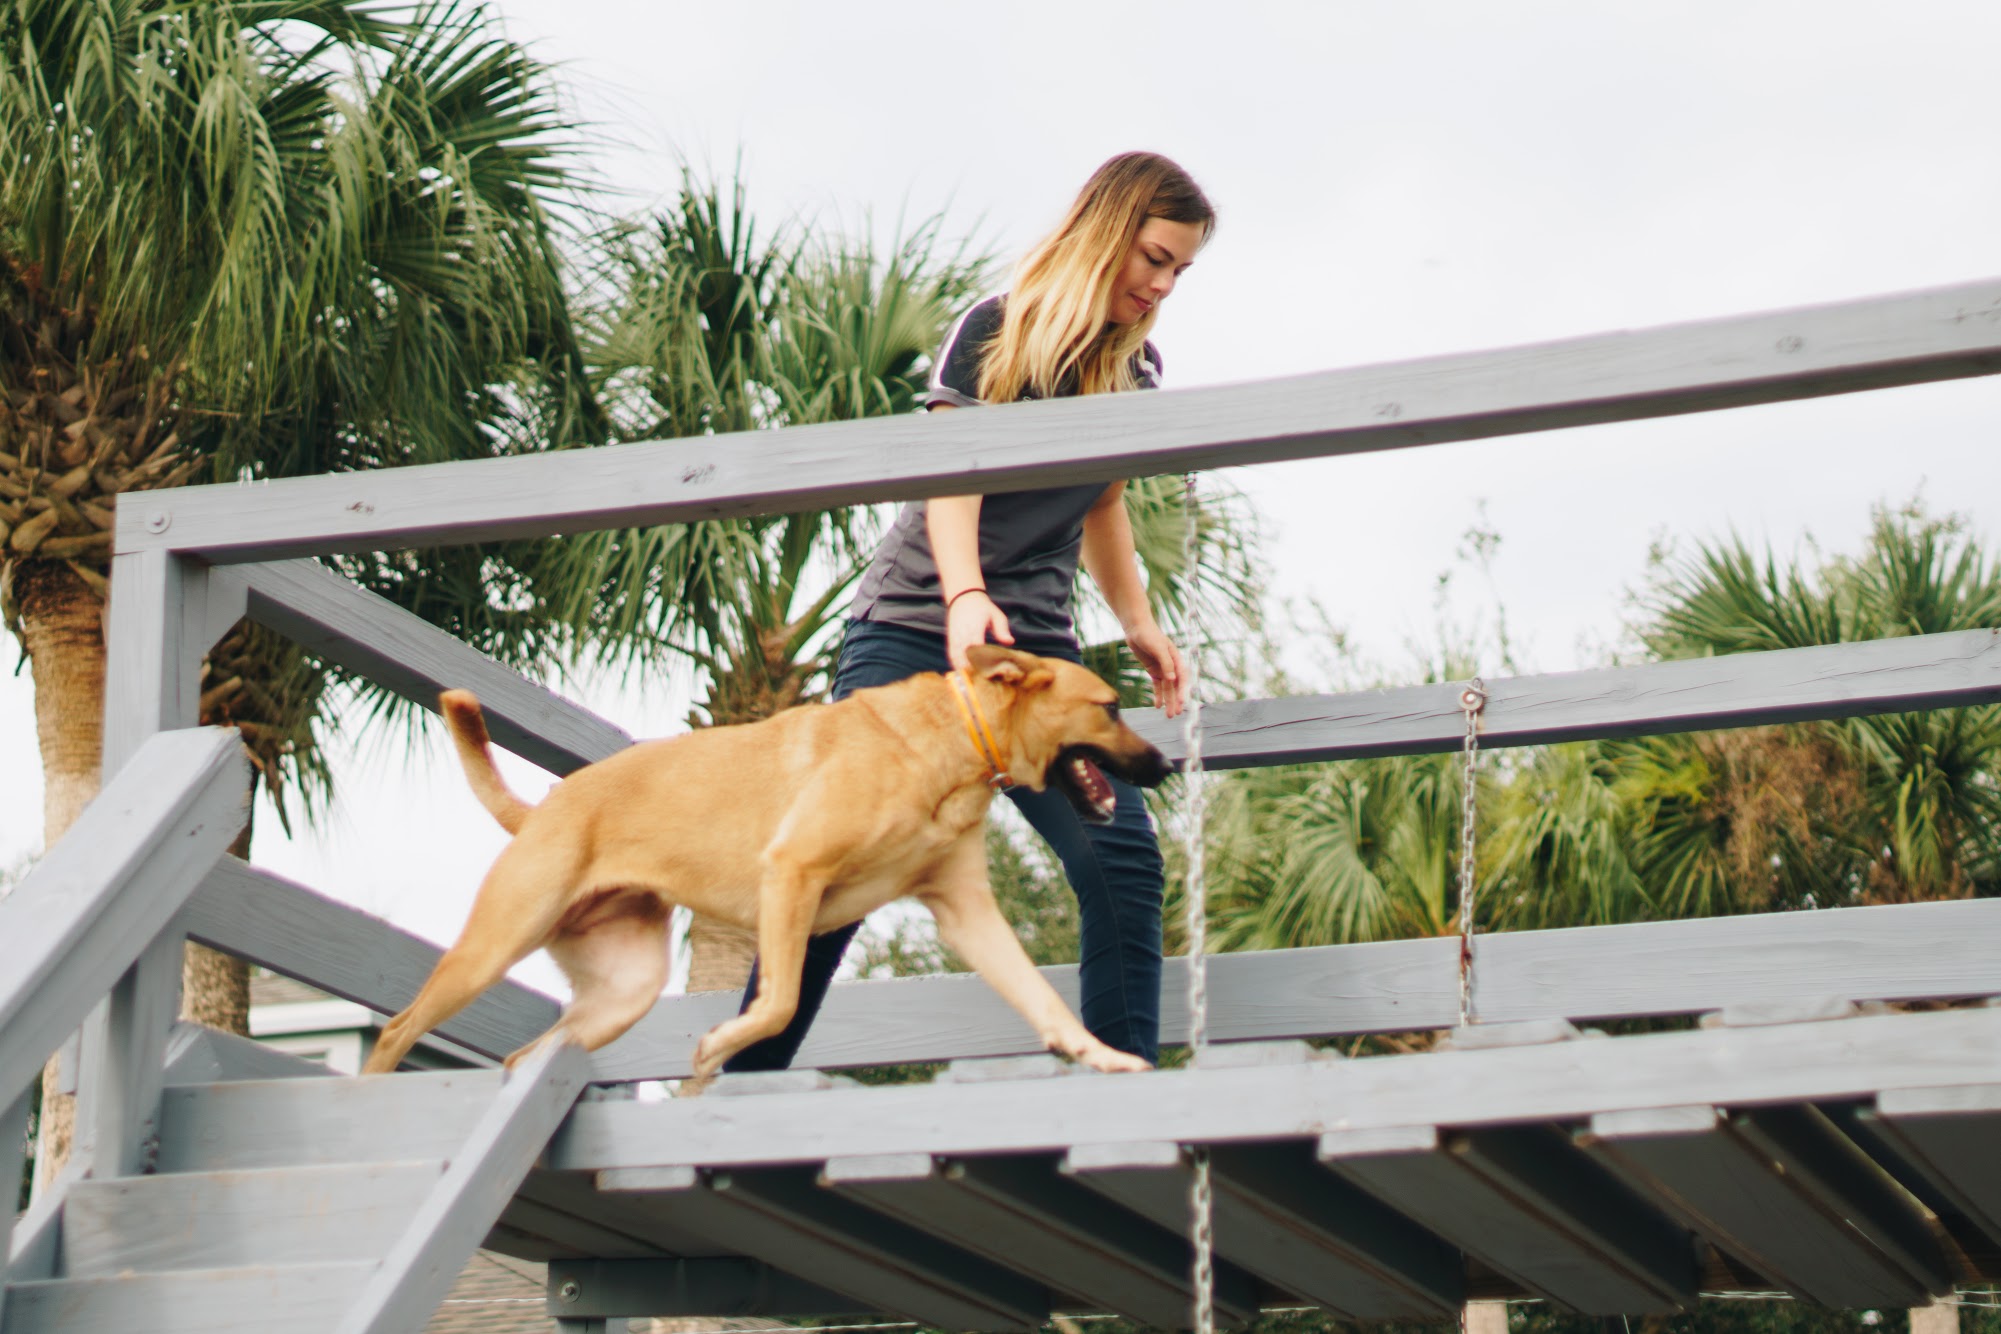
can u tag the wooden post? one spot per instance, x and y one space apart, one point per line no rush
1941 1317
1484 1318
13 1132
159 616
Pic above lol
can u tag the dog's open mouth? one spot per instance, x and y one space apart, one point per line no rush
1086 785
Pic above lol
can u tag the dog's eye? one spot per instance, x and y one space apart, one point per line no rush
1112 710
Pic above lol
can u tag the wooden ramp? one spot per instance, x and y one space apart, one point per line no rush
1814 1162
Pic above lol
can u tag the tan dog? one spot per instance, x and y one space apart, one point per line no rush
791 827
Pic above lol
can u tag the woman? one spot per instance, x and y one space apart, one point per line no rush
959 570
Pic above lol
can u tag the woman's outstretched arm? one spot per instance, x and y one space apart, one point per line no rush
1113 565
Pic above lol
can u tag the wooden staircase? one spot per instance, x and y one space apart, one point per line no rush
335 1204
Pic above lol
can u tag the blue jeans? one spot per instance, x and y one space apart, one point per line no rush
1114 869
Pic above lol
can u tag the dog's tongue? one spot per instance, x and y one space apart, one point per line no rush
1097 789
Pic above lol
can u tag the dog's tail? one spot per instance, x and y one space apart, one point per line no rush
468 724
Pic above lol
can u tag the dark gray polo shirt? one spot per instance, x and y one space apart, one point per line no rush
1028 539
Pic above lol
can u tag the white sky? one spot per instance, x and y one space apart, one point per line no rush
1394 180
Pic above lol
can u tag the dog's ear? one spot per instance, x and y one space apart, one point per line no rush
1003 665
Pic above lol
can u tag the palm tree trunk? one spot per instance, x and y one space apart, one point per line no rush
719 955
215 987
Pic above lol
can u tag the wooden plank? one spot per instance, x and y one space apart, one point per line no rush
289 929
1565 1230
1951 1134
1904 952
197 1054
305 1122
123 1055
577 1195
1019 1212
237 1219
731 1286
152 680
789 1222
154 645
1699 1167
1388 987
1565 1081
1697 694
442 1233
1278 1217
36 1250
13 1145
1908 338
346 624
104 893
1817 1157
192 1301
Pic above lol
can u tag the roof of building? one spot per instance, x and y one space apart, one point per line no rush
269 988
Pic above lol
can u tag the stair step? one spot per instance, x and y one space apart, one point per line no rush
229 1219
308 1122
299 1299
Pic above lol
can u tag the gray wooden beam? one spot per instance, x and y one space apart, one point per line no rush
198 1054
1019 1212
1801 1232
1815 1155
1908 338
574 1195
283 1123
1738 690
289 929
234 1301
155 638
443 1232
786 1220
710 1285
1906 952
1526 1204
373 637
1277 1216
1565 1081
108 890
13 1143
1950 1134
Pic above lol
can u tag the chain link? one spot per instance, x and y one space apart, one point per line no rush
1200 1201
1471 701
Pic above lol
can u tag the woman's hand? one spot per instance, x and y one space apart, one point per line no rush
973 619
1156 653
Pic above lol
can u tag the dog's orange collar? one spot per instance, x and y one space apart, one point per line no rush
977 730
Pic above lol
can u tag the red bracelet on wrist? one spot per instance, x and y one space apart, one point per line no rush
976 588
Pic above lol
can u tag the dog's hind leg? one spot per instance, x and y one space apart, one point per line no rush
518 906
616 970
788 900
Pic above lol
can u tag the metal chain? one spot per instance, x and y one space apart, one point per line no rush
1471 701
1200 1201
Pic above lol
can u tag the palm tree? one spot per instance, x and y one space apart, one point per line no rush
1886 809
709 325
251 238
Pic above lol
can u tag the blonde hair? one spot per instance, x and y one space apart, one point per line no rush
1057 324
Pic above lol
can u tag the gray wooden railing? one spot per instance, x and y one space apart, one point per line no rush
190 562
78 927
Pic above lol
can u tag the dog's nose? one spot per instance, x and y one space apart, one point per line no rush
1150 769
